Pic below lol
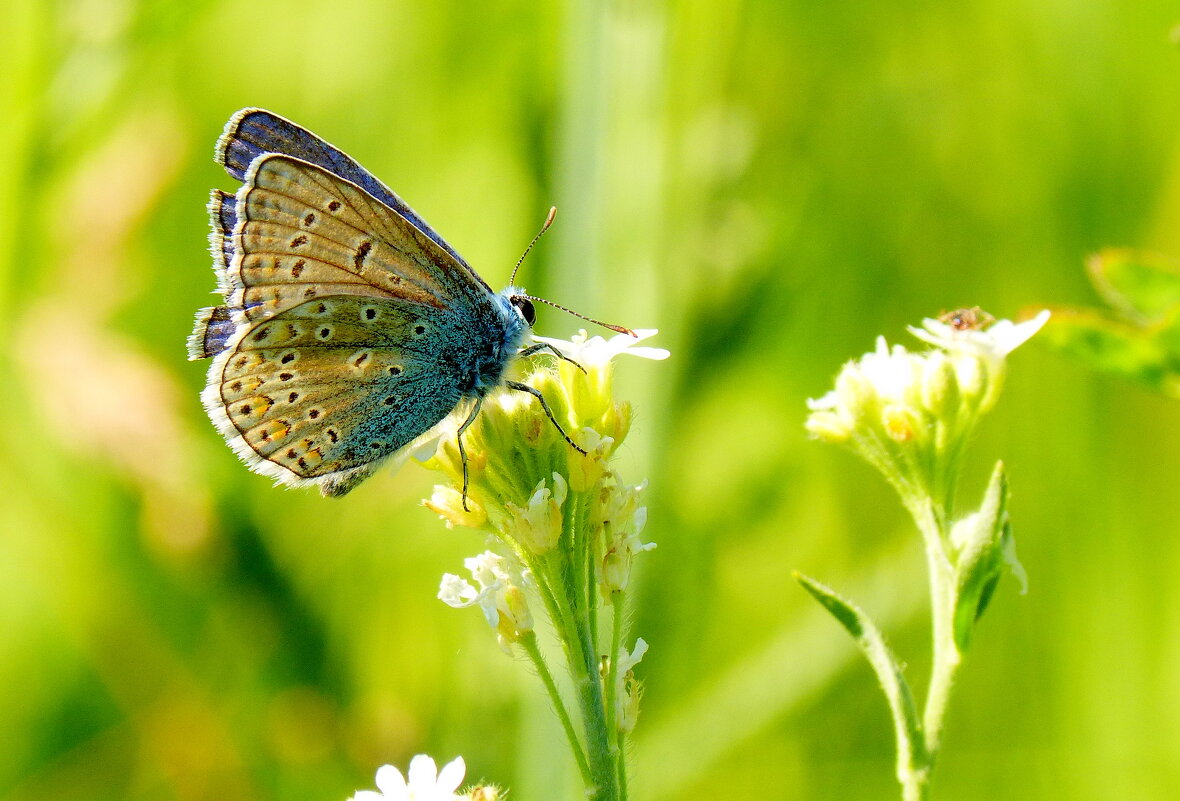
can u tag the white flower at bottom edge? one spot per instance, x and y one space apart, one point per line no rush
426 782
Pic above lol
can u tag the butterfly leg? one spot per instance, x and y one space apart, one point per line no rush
462 450
540 346
536 393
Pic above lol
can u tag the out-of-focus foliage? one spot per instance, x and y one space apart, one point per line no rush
770 183
1139 338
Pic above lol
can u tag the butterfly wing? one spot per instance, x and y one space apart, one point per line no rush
354 332
253 132
303 232
323 392
214 325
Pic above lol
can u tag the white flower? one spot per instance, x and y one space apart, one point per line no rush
426 782
910 413
622 519
627 689
994 342
499 596
538 525
594 350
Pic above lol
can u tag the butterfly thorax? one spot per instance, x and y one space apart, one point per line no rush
484 365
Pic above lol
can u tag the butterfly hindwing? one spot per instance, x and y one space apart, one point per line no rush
331 386
254 132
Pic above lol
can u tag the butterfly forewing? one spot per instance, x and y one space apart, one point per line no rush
305 232
254 132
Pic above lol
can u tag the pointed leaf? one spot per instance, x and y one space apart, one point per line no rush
979 544
901 701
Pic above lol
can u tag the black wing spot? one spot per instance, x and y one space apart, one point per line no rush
292 453
236 386
294 396
287 358
299 241
245 409
309 219
321 309
376 445
314 413
333 205
390 400
419 329
261 334
332 435
302 462
358 258
309 292
370 313
297 267
359 360
325 333
395 370
286 376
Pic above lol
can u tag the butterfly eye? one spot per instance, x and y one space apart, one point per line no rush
525 307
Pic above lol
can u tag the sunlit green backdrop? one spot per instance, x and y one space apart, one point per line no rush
772 184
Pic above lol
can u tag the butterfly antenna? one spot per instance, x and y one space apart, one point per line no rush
544 228
607 326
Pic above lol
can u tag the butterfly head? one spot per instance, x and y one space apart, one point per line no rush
522 303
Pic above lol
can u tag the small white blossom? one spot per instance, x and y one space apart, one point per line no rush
426 782
622 520
594 350
538 525
499 595
994 342
627 689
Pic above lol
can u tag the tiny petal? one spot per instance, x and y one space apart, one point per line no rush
455 591
447 503
391 783
451 776
422 774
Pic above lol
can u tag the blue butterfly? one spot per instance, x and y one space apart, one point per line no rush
350 328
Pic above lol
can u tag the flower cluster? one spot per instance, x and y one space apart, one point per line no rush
564 530
910 414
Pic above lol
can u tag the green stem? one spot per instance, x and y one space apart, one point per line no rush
931 519
602 763
616 643
529 643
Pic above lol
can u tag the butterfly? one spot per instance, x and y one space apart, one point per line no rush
350 328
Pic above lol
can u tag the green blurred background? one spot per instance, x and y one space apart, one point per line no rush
772 184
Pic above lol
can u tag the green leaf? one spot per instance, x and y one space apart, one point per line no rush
910 741
979 543
1138 335
1147 355
1141 286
